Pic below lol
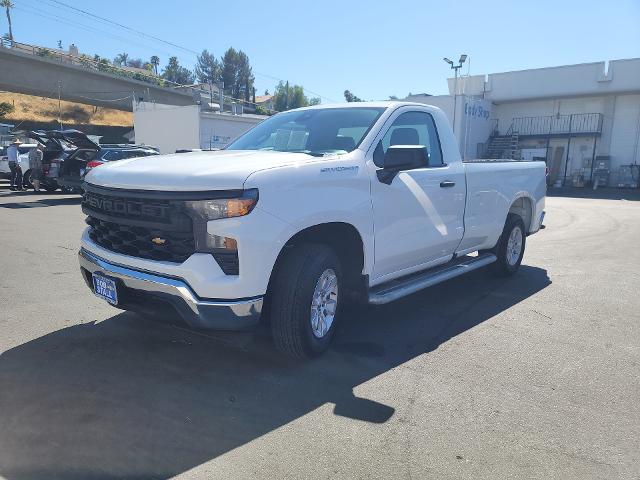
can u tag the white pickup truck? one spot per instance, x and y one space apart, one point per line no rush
309 209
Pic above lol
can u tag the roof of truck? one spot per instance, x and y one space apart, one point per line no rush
384 104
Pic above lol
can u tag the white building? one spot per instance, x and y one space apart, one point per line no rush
172 128
577 117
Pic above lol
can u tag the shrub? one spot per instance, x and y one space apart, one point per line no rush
6 108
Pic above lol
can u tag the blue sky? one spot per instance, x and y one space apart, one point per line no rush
375 49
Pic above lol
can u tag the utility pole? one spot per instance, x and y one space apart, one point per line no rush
221 95
59 105
286 104
455 68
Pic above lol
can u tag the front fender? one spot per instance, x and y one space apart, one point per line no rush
335 189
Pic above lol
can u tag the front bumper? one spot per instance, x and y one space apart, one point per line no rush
200 313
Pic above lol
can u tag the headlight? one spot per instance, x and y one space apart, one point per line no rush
225 207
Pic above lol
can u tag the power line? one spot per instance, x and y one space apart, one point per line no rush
186 49
81 26
123 26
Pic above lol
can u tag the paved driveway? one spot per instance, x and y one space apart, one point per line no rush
536 376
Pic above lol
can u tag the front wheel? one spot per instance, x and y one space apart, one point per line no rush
305 300
510 247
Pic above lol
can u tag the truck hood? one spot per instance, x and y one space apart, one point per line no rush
196 171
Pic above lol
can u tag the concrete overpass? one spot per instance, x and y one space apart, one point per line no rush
24 72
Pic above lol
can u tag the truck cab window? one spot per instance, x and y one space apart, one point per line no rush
415 128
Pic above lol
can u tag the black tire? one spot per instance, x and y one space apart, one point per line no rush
291 294
503 267
49 188
26 180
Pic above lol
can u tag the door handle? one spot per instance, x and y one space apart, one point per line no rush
447 184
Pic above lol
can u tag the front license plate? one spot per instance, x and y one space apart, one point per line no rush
105 288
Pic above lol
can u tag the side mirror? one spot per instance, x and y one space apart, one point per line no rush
402 157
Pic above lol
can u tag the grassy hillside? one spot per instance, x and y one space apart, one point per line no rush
45 110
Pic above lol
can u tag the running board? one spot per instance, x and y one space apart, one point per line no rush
402 287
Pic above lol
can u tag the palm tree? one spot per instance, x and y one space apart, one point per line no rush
8 6
121 59
155 61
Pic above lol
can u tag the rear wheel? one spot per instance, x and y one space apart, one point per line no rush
49 187
510 247
306 300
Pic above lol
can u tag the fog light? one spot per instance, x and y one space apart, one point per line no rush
216 242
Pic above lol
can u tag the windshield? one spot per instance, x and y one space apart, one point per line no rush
314 131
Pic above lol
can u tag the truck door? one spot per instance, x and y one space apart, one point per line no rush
418 218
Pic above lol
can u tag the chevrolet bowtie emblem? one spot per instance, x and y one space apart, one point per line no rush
158 241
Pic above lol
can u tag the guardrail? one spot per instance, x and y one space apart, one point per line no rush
576 123
90 63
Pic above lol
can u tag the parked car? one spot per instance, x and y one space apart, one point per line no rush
58 146
91 155
23 159
310 208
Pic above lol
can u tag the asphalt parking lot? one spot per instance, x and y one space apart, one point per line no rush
536 376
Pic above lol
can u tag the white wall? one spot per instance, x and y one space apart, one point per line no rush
171 128
611 89
167 127
218 130
467 85
474 124
621 76
625 134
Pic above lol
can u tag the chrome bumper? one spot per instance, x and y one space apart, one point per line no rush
200 313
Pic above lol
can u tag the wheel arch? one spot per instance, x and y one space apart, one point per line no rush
523 207
342 237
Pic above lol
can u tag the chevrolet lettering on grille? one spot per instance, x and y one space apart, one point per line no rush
119 206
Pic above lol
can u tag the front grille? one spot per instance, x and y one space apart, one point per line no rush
138 241
151 225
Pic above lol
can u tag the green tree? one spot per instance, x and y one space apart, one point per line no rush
350 97
6 108
236 74
287 97
121 59
208 68
229 70
314 101
176 73
155 61
244 77
8 5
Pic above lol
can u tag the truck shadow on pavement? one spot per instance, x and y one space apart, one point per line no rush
130 398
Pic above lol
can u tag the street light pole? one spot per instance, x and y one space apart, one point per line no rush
455 68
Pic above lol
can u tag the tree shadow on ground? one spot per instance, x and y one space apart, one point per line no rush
131 398
43 202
